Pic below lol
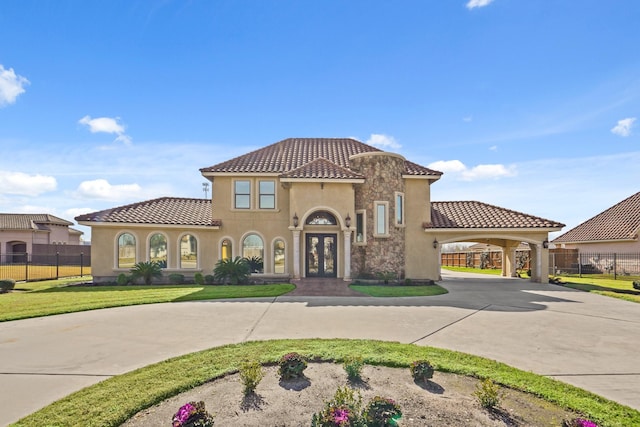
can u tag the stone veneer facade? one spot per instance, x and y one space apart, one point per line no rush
383 180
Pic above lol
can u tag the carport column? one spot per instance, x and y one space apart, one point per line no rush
347 255
538 277
296 254
514 261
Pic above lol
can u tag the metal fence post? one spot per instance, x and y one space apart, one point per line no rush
57 265
615 267
26 266
81 262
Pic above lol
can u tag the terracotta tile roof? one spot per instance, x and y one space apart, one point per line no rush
472 214
620 222
161 211
293 153
9 221
322 168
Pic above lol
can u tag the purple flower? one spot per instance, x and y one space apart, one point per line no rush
340 416
585 423
183 414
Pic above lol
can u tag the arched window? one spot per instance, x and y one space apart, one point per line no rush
158 249
226 252
253 251
188 251
126 250
278 256
321 218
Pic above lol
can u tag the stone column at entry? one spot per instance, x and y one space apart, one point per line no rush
296 254
347 255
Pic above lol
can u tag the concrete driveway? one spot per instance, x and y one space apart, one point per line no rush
583 339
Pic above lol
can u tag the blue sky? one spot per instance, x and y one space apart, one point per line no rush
528 105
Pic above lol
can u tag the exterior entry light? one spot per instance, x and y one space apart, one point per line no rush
295 219
347 221
435 243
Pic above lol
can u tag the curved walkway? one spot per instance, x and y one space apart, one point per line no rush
583 339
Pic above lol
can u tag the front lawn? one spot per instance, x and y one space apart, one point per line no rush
621 289
399 291
35 299
107 403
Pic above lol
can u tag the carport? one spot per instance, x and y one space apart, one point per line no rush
471 221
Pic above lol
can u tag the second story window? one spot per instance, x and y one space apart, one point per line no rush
242 194
267 194
380 219
399 209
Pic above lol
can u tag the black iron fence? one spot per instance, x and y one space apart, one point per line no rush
615 265
30 267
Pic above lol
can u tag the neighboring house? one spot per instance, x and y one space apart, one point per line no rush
614 230
310 207
20 232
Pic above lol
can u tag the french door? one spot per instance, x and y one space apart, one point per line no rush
321 255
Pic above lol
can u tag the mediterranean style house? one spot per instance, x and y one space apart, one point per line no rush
20 232
311 207
613 230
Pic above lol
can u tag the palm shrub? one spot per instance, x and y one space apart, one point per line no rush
147 270
235 271
255 264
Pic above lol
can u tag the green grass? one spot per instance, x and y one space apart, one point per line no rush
113 401
399 291
622 289
494 271
57 297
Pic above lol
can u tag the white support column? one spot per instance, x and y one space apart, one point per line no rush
296 254
538 277
347 255
514 261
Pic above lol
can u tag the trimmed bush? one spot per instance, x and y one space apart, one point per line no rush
176 278
198 278
421 370
7 285
209 279
488 393
353 367
250 374
123 279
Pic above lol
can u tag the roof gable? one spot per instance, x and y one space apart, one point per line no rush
290 154
472 214
620 222
161 211
9 221
321 168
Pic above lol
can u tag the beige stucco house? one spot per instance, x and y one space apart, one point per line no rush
20 232
310 207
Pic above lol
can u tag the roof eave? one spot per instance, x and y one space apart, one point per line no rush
581 242
145 225
486 229
427 177
326 180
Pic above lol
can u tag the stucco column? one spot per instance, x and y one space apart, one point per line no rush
538 276
513 262
296 254
347 255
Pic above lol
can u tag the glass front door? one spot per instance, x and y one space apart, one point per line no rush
321 255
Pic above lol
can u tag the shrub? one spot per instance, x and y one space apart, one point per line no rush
7 285
421 370
386 276
255 264
353 367
147 271
192 414
209 279
291 365
250 374
636 284
176 278
123 279
198 278
343 410
382 412
235 270
488 393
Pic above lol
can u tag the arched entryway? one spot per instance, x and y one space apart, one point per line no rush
321 245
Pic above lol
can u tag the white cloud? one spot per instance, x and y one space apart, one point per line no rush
383 141
623 128
448 166
493 148
102 189
467 119
74 212
106 125
11 85
24 184
488 172
478 3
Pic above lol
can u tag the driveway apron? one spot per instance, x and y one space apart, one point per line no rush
583 339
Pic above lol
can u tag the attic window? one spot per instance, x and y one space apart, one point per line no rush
321 218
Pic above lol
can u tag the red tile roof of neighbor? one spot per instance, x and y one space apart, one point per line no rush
620 222
161 211
9 221
293 154
472 214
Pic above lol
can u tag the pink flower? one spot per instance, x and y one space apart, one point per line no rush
183 414
586 423
340 416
